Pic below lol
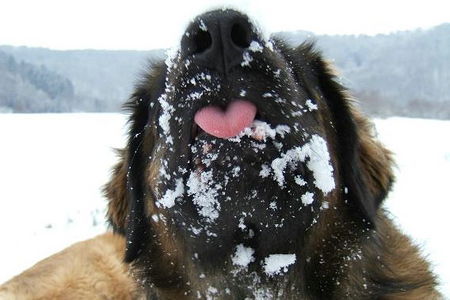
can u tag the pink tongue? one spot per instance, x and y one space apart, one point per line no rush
225 124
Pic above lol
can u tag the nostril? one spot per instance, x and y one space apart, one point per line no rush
218 40
202 41
240 35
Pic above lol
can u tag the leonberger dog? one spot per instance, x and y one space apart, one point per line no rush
248 174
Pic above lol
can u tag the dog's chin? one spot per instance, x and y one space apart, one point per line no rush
224 170
227 154
231 199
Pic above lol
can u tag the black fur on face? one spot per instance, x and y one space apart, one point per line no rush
265 189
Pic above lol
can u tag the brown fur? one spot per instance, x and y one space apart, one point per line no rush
377 160
116 191
91 269
404 260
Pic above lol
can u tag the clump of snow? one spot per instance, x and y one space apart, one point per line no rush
195 230
163 169
155 218
325 205
241 224
243 256
275 264
297 113
211 293
269 45
258 146
204 191
307 198
273 205
166 114
265 171
202 26
167 109
299 180
319 163
235 171
277 73
194 96
199 78
280 100
246 59
311 105
172 54
261 131
255 47
168 200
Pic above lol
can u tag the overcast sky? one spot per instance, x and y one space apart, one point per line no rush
137 24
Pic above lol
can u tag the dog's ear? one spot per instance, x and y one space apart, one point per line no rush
365 166
376 161
115 192
126 190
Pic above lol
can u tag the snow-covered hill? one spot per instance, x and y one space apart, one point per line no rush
52 167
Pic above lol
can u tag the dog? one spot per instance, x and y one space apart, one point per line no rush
249 173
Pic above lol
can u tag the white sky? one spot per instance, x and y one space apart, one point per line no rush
137 24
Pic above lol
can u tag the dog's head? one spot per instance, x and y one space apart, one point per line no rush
301 150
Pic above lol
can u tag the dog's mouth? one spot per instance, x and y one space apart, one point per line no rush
230 147
228 123
239 118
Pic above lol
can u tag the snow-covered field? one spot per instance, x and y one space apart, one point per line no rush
52 167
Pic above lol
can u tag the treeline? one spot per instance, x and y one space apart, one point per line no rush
101 80
27 88
404 73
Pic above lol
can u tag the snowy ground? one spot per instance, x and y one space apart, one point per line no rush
420 200
53 165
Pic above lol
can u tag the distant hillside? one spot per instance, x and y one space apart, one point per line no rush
405 73
102 80
25 87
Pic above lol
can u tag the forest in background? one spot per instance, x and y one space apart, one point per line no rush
403 74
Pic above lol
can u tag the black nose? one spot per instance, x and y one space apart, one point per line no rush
218 39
